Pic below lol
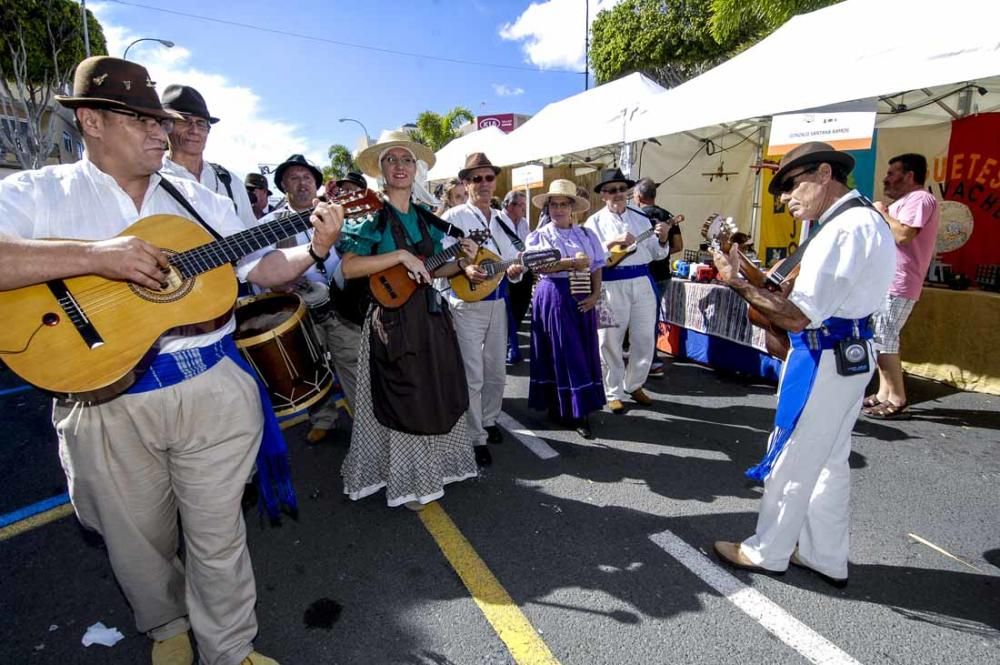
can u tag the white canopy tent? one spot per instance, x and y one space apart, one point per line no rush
451 158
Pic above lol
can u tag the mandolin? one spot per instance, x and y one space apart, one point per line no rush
88 337
495 269
393 286
620 251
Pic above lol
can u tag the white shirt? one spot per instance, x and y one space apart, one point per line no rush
847 267
211 180
519 227
608 226
313 274
79 201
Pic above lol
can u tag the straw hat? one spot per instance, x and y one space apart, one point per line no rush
565 188
368 159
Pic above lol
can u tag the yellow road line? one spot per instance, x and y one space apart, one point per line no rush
35 521
510 624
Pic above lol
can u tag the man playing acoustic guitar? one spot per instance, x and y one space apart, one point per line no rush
844 274
184 438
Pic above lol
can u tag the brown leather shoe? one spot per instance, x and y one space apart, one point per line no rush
835 582
616 406
641 397
174 650
316 434
258 659
731 555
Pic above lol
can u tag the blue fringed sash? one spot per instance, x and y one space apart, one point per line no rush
274 475
801 369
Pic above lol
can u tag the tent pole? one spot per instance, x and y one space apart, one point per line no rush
758 179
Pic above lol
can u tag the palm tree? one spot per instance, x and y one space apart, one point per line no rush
435 131
341 162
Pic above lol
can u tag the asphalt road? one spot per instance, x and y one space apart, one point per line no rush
571 539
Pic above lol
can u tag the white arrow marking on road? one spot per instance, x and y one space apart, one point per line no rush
527 437
811 645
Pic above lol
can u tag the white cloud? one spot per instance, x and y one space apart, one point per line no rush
553 32
504 90
244 137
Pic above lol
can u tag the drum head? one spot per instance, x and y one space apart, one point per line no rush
270 313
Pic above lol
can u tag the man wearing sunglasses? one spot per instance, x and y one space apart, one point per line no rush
482 326
188 140
629 291
171 454
844 274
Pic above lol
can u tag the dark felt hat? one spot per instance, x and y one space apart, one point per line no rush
186 100
257 180
103 82
609 176
354 178
807 154
296 160
477 160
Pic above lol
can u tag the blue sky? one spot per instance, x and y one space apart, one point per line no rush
277 94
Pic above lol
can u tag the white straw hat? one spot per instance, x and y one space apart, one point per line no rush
565 188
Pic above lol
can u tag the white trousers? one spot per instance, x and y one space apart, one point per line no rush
482 335
134 463
807 496
634 306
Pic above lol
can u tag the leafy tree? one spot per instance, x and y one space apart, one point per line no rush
435 131
668 40
40 45
341 161
729 17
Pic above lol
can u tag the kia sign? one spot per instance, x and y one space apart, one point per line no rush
505 122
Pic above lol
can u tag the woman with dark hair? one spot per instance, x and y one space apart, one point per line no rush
409 431
565 361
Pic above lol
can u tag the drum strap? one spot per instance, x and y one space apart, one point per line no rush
273 472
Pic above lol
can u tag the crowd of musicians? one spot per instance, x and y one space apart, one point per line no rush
422 376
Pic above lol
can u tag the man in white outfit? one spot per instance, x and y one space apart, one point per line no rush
629 290
845 272
482 326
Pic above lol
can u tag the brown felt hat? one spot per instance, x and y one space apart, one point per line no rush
112 83
477 160
808 154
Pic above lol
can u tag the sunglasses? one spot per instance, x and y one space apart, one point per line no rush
479 178
790 182
614 190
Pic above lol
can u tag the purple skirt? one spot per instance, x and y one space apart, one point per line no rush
565 359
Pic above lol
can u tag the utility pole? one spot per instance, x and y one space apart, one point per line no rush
586 45
86 30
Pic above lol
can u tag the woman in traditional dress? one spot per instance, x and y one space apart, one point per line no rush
565 360
409 431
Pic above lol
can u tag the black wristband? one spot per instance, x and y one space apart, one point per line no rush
318 260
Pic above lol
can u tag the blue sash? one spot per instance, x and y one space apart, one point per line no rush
625 272
274 475
801 368
500 293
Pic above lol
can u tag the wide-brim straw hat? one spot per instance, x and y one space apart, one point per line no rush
368 159
103 82
807 154
564 188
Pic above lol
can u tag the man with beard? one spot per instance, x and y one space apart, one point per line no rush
187 147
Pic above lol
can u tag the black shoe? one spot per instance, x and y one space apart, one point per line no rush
493 434
582 428
483 456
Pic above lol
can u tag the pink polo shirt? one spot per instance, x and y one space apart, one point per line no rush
918 209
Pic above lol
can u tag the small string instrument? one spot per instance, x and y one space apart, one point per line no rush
495 269
620 251
393 286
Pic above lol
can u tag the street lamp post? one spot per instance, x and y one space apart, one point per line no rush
368 139
165 42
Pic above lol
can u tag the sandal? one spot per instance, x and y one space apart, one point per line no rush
888 411
870 401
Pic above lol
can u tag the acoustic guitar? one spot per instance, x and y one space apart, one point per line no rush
88 338
620 251
495 269
393 286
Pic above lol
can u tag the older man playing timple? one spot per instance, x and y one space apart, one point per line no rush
482 326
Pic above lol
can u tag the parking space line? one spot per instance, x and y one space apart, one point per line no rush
35 521
507 619
526 436
811 645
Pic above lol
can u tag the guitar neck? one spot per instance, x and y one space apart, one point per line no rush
233 248
494 269
441 258
642 236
